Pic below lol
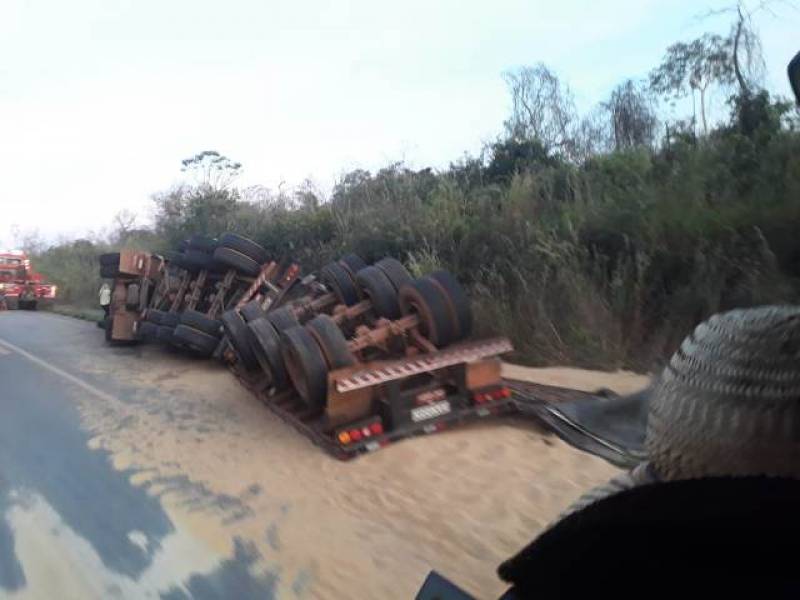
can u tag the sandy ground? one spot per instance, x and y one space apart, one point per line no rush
459 502
622 382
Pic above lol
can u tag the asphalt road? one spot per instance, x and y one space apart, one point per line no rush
71 525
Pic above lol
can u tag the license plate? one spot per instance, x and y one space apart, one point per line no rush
431 411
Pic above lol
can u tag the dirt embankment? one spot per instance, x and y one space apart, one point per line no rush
459 502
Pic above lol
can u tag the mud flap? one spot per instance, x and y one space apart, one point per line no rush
606 425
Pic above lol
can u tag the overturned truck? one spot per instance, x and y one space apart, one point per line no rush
355 356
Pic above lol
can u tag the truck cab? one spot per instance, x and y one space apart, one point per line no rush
22 287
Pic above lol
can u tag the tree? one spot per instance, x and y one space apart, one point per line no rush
542 109
510 157
28 240
124 223
747 57
211 170
691 68
633 120
593 134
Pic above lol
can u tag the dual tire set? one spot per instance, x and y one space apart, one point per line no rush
302 355
230 251
194 330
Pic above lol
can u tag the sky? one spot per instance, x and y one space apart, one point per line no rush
100 100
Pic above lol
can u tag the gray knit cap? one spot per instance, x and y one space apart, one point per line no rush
728 403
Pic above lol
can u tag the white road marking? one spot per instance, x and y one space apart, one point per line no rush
68 376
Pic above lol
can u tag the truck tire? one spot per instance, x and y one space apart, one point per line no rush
243 245
196 340
202 243
112 258
201 322
252 311
425 298
282 318
145 330
132 297
353 263
267 347
332 341
195 261
458 302
395 271
162 317
338 279
165 333
236 260
376 286
306 366
239 337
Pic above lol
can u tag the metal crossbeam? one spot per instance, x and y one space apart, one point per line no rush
266 273
389 371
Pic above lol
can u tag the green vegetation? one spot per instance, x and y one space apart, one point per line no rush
592 241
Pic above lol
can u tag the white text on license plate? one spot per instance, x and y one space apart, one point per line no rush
431 411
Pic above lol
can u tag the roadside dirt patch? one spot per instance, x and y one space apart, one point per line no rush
226 468
621 382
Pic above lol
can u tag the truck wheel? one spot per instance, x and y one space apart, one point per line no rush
236 260
252 311
306 366
195 261
243 245
132 297
336 277
164 334
458 302
111 259
353 263
395 271
332 341
203 243
282 318
201 322
146 330
425 299
196 340
377 287
237 333
162 317
267 348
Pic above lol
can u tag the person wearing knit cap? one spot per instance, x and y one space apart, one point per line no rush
721 484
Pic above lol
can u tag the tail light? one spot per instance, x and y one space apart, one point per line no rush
485 396
363 430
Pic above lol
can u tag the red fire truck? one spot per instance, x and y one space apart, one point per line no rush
23 287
